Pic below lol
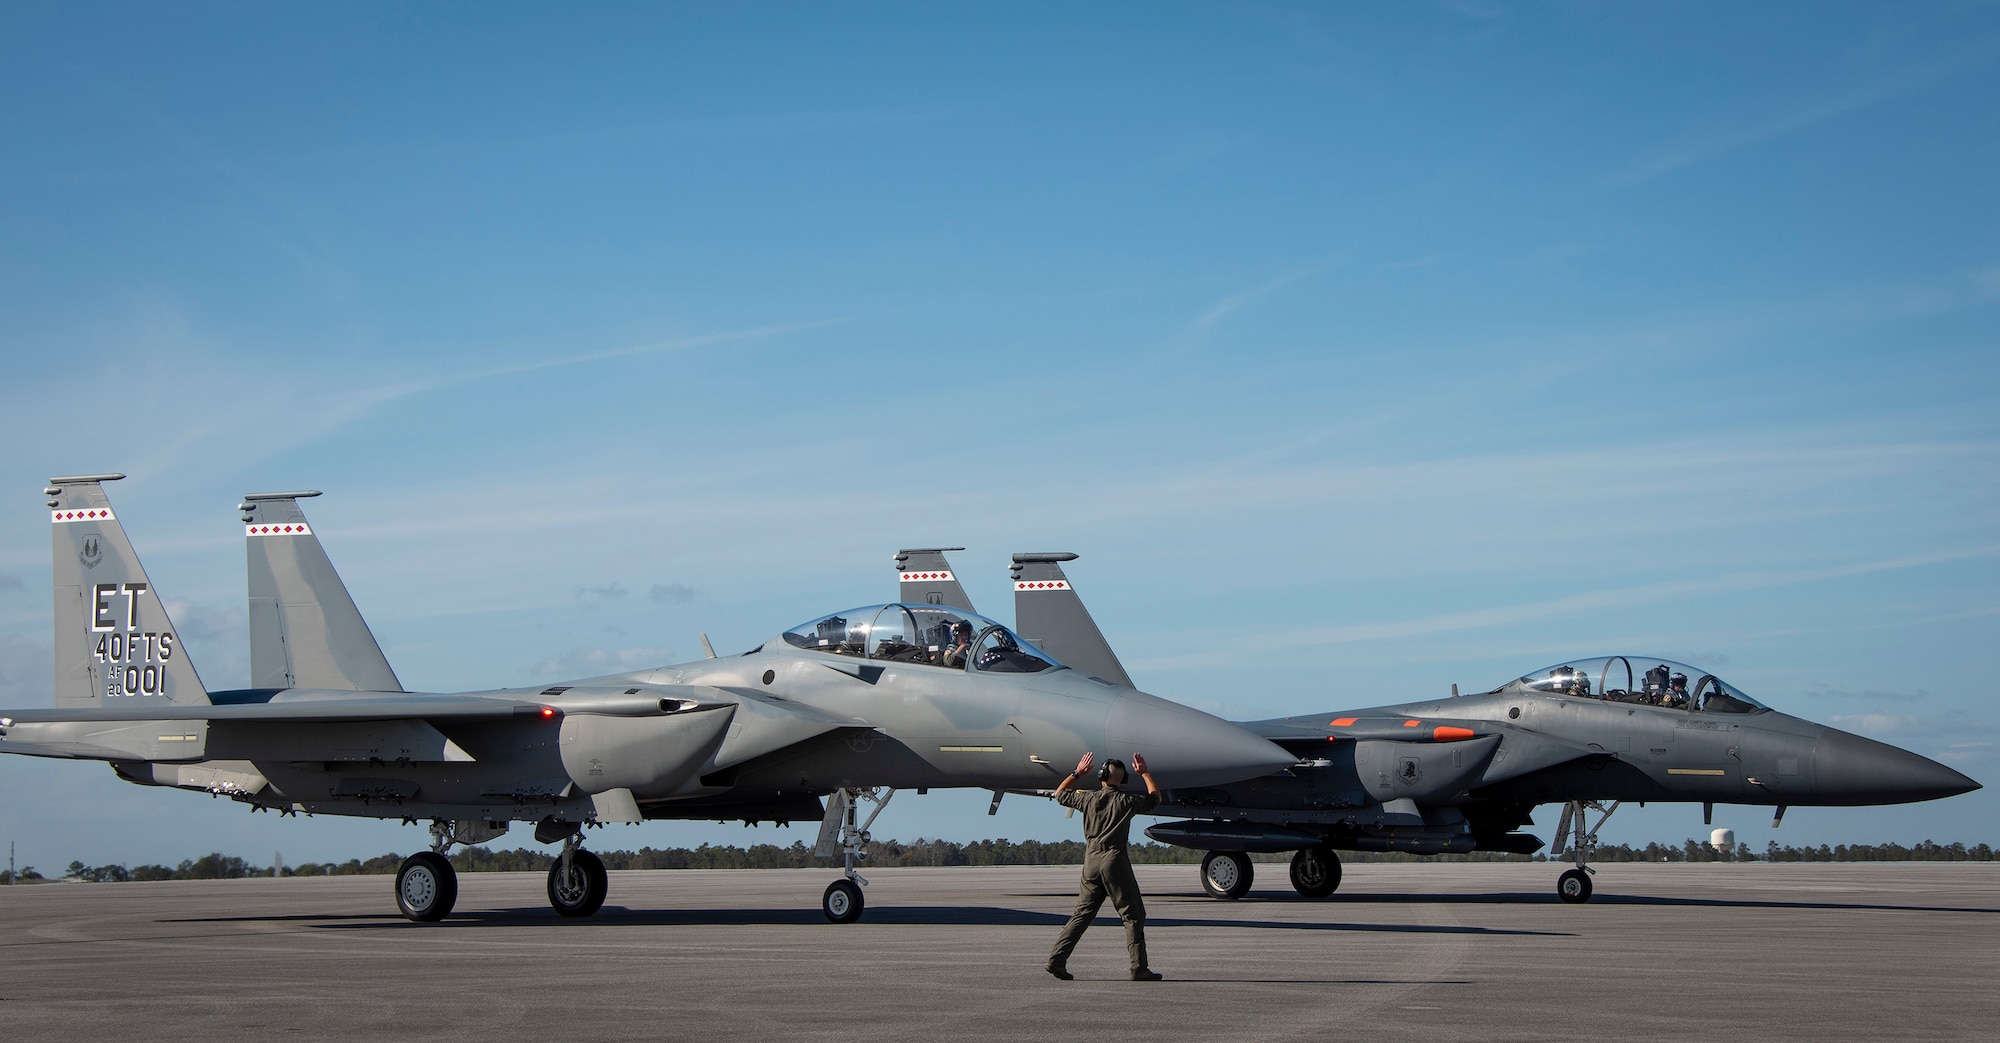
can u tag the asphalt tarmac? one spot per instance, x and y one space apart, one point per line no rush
1469 951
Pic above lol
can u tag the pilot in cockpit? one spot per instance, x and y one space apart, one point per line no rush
1677 691
961 645
1656 683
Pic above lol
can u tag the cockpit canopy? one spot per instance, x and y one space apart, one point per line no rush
1638 679
928 635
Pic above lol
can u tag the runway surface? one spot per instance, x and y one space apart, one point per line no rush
1473 951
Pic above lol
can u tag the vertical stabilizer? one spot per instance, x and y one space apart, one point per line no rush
1049 614
115 645
304 629
927 578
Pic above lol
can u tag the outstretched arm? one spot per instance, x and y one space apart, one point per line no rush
1082 769
1139 765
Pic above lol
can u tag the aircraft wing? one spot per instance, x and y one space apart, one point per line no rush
186 731
295 712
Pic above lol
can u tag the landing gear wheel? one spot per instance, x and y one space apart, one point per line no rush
1316 872
426 887
1226 875
1573 886
581 891
842 902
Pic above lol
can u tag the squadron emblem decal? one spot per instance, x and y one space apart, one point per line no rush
92 552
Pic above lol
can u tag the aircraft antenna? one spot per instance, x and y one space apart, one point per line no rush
706 645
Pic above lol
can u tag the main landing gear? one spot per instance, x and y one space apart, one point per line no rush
1573 885
1315 872
426 883
842 830
1226 875
426 887
577 882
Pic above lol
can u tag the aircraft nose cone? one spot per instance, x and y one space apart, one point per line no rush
1851 769
1186 747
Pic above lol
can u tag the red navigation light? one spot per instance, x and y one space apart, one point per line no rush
548 711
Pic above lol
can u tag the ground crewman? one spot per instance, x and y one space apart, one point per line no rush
1107 866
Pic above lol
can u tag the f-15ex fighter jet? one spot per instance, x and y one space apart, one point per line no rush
851 706
1464 774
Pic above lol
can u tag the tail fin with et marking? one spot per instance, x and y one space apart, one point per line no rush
115 645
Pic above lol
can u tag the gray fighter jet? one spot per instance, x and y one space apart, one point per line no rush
851 706
1464 774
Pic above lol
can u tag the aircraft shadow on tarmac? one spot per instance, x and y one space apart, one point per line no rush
942 916
1547 898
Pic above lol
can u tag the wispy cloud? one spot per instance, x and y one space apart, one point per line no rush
206 400
594 597
590 661
674 594
1530 611
1700 146
1871 695
1235 302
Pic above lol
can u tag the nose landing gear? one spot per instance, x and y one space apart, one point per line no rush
1573 885
844 831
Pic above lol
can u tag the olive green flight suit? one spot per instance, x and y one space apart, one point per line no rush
1107 868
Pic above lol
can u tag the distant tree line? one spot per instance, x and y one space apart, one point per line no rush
922 852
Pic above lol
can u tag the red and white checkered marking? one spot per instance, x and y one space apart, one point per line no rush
922 577
1046 584
285 529
87 514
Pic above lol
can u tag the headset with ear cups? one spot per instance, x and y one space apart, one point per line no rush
1104 773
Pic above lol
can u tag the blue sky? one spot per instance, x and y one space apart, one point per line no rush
1360 350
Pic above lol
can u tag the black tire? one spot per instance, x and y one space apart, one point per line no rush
842 902
1316 872
426 887
582 891
1573 886
1226 875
